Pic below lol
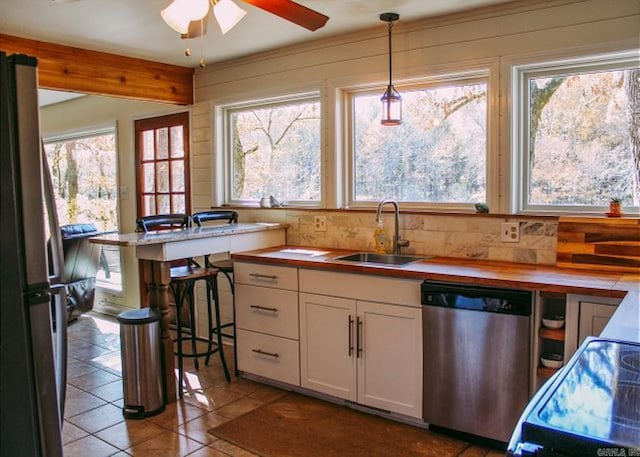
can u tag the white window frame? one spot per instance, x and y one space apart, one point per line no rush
520 76
483 74
112 287
227 160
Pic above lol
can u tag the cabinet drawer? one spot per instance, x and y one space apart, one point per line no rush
266 310
268 356
266 275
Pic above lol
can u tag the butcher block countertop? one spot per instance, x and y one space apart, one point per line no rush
625 324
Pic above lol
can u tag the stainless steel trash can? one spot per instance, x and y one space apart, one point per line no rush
141 363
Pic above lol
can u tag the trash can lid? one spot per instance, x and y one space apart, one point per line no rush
138 316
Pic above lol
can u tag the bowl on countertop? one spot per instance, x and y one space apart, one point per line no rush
551 360
553 321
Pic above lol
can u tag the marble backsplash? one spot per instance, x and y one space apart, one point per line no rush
463 236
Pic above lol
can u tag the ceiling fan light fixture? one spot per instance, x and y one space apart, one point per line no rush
228 14
391 99
180 13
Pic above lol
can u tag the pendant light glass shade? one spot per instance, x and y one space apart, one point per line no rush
228 14
391 107
180 13
391 99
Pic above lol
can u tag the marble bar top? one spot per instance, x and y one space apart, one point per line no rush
193 233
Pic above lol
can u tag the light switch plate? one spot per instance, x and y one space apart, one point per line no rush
510 232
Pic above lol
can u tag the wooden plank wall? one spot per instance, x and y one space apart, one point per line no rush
80 70
599 244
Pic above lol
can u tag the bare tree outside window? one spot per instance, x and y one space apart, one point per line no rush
84 175
437 155
276 151
584 140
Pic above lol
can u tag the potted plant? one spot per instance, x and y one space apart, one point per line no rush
615 207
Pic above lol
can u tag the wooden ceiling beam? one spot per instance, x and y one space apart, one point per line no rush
79 70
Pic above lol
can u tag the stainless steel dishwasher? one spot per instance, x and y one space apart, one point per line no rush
476 357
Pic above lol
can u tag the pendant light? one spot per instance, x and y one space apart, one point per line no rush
391 100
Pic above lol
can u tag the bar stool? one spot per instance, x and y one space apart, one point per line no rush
183 279
226 267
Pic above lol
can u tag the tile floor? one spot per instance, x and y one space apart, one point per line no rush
94 425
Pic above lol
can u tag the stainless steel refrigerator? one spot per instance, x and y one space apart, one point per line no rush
32 355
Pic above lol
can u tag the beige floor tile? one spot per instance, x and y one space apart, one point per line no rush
168 444
244 386
92 380
176 414
204 378
240 407
129 433
98 419
109 360
71 433
213 397
230 449
77 368
197 428
79 402
208 452
88 353
121 454
89 446
109 392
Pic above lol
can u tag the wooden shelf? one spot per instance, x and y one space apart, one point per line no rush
551 334
545 372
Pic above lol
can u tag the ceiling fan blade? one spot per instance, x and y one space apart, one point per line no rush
293 12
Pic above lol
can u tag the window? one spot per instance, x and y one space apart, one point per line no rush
437 156
578 144
83 168
274 150
162 157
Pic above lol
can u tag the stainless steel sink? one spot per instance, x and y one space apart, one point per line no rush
380 259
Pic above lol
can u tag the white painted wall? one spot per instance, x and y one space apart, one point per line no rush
91 112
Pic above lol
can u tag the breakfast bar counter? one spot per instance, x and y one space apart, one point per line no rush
157 249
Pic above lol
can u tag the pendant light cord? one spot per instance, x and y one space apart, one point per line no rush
390 53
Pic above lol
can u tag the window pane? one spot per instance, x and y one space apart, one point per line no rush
178 203
163 204
276 151
149 171
177 176
438 154
580 138
162 143
148 147
149 205
162 170
84 174
177 141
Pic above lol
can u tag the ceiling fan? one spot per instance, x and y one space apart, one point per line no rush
188 17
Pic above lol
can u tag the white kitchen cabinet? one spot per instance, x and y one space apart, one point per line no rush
266 301
593 314
366 352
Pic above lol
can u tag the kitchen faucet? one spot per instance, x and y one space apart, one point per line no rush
398 242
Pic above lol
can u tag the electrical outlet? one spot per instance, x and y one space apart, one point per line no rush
320 223
124 193
510 232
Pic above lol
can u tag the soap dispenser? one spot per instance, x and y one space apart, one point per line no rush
380 239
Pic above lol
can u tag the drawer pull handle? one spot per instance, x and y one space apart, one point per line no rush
275 355
358 337
264 308
261 276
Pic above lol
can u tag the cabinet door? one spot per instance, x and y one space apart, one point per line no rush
593 319
327 332
390 363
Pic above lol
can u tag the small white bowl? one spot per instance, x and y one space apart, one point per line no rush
551 360
553 322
